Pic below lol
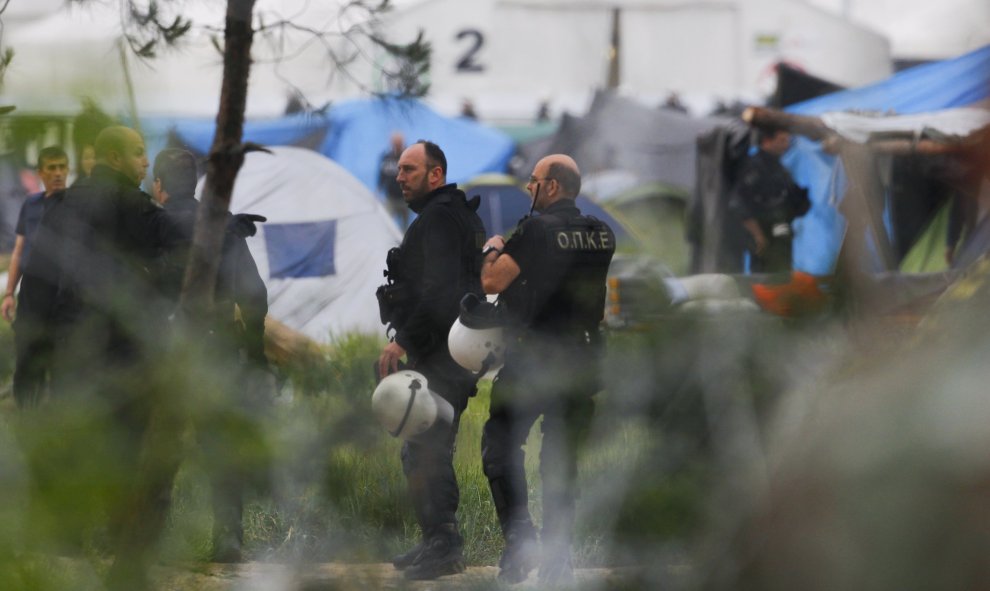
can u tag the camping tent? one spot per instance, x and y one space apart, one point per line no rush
486 50
74 51
323 247
504 204
355 134
654 213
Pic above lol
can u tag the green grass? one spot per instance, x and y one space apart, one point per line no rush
334 490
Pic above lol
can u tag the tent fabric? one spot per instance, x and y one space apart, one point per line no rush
794 86
936 86
504 204
654 214
950 123
619 133
959 82
357 132
325 241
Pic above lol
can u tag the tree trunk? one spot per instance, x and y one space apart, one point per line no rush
225 160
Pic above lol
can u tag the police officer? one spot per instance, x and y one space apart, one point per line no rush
237 339
436 264
766 201
551 279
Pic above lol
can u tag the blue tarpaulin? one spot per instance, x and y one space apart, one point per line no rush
355 134
957 82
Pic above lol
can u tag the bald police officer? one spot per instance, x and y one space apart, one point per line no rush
551 279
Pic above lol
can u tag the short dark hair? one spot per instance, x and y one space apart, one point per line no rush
434 156
567 177
51 153
177 170
768 132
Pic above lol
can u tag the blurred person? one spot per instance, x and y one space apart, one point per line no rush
766 202
87 160
100 238
550 277
388 169
468 111
33 328
236 335
436 264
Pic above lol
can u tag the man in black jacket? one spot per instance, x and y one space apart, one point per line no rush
766 201
437 263
550 277
236 337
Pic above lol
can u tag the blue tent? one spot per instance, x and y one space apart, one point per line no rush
957 82
355 134
503 204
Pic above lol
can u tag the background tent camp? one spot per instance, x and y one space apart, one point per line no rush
355 133
76 50
621 134
508 56
960 82
504 203
324 244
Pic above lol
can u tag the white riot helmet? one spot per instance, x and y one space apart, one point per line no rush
405 406
475 340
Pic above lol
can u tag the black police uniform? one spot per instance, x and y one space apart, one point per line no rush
766 192
557 303
97 242
107 308
436 264
238 345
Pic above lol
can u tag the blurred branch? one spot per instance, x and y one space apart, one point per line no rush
812 127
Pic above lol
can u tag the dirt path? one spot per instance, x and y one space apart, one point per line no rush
259 576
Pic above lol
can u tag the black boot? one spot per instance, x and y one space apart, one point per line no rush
521 553
409 557
443 555
555 566
228 533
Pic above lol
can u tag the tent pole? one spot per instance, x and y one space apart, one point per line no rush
614 73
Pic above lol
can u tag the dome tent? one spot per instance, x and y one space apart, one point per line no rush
323 247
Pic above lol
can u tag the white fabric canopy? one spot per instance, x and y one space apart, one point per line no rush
951 122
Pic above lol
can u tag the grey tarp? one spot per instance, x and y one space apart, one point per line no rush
619 133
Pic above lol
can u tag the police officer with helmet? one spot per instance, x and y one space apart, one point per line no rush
551 279
436 264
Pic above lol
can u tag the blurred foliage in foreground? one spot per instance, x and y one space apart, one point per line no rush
679 423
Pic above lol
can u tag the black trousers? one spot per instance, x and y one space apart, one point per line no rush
428 462
34 340
560 390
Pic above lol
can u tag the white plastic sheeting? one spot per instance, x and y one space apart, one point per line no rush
956 123
295 188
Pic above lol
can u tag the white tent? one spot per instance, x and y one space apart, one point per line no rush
506 55
322 250
74 52
921 29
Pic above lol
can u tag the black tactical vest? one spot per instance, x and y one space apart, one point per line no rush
564 291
